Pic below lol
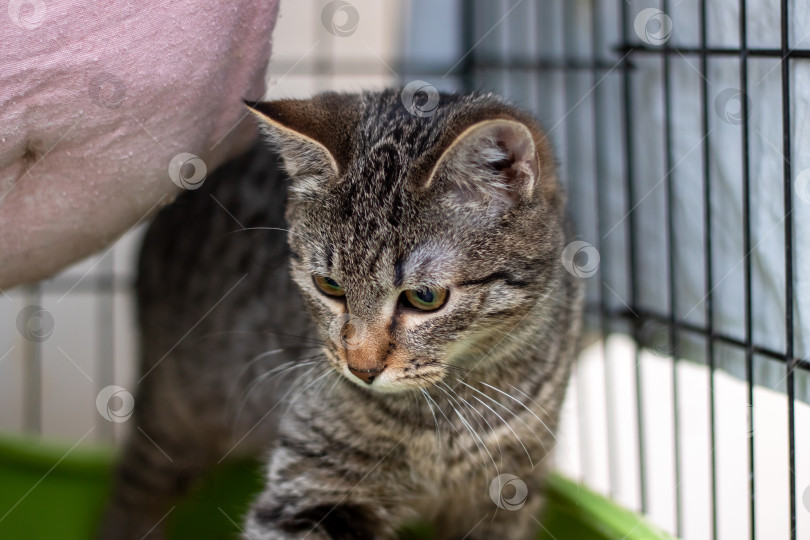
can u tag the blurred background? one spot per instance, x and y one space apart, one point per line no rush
681 130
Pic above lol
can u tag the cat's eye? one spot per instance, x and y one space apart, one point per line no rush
328 286
425 298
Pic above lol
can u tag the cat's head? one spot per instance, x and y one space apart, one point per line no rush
419 241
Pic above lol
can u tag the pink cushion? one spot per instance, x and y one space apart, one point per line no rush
97 98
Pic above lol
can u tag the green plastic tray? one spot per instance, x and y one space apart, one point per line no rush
50 492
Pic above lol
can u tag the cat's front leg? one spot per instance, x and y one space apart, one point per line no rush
310 496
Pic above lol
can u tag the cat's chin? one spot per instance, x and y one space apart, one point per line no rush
390 383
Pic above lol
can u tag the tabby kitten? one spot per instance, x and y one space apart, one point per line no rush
408 343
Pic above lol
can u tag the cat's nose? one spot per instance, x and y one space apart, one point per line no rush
366 352
365 375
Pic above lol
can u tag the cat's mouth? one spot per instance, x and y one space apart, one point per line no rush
392 377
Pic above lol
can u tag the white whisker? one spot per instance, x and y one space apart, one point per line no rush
247 365
510 411
441 411
516 400
491 429
464 423
307 387
275 229
476 438
432 413
272 374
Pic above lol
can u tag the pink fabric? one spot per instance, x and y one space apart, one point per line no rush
96 98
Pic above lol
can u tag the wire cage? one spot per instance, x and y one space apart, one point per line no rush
680 129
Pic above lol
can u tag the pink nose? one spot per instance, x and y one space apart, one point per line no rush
365 375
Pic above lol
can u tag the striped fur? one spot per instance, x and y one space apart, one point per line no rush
383 201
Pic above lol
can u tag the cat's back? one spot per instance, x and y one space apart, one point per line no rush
196 244
220 249
214 292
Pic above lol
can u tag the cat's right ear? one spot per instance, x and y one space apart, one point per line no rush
313 136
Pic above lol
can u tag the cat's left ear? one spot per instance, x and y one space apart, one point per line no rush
494 160
313 135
